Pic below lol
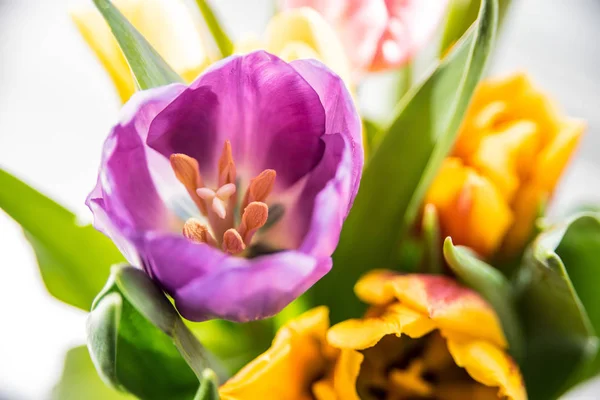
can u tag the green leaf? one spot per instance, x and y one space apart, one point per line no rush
74 260
432 263
400 170
80 380
139 343
371 134
460 16
561 341
224 44
493 287
579 250
148 67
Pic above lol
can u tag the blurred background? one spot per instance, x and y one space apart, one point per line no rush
57 105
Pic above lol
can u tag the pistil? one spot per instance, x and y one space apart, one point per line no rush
219 200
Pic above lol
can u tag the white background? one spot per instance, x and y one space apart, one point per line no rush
56 106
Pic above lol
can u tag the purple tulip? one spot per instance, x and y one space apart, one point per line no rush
231 192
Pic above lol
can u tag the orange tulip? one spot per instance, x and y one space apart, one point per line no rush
511 150
424 336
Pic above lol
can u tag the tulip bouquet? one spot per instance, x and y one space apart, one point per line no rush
258 236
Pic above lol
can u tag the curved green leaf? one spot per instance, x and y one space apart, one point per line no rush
493 286
579 250
402 166
209 386
139 343
80 380
561 341
148 67
74 260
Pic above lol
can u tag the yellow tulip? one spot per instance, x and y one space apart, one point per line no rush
424 336
169 27
509 155
301 33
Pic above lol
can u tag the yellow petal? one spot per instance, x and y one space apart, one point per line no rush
372 287
526 207
99 37
489 365
489 106
449 306
287 369
447 184
340 383
546 171
500 155
297 51
553 159
359 334
480 217
247 43
292 32
345 374
471 209
167 24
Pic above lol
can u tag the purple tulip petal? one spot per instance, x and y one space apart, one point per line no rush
272 116
247 290
104 223
340 112
126 187
314 214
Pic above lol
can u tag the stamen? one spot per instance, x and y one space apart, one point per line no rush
232 242
260 187
197 232
188 173
254 217
227 171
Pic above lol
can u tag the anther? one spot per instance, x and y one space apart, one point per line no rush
232 242
260 187
227 171
197 232
187 172
254 217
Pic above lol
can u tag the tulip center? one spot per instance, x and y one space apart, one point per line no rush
407 368
226 230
